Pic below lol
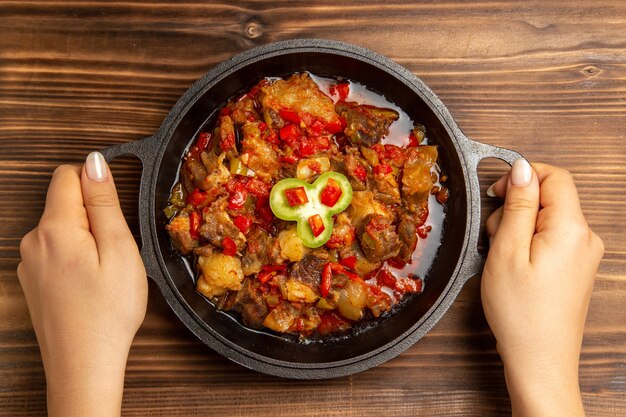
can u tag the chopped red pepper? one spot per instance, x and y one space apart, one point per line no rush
317 224
268 271
203 141
264 277
331 193
196 197
382 169
413 140
194 225
386 278
238 197
360 173
290 133
296 196
262 126
243 223
229 247
327 275
335 126
289 116
349 262
423 231
225 111
307 147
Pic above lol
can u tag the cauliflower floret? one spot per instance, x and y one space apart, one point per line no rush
219 274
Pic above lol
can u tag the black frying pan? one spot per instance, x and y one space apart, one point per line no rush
457 259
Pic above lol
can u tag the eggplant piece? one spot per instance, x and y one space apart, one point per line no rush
366 125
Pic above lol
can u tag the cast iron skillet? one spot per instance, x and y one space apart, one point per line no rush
457 260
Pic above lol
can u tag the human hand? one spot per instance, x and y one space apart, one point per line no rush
536 287
86 289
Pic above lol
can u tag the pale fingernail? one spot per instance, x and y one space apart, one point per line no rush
521 173
96 167
490 191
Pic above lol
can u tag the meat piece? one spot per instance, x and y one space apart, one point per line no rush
227 133
366 125
220 273
243 110
178 229
299 93
258 155
196 173
416 178
217 176
217 225
309 269
407 232
379 240
251 304
281 318
256 254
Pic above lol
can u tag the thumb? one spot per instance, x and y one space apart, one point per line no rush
519 213
106 220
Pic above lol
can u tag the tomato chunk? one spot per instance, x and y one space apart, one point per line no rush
296 196
317 224
238 197
331 193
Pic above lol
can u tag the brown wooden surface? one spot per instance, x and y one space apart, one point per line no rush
545 78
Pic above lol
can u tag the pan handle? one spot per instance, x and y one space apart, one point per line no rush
475 152
146 150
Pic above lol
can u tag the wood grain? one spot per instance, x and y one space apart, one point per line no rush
545 78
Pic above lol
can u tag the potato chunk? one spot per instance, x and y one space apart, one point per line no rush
219 274
291 246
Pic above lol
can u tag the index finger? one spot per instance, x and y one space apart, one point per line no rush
64 200
558 192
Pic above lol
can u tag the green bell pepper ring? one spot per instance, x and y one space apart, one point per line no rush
302 212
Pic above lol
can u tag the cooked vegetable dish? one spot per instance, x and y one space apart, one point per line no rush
299 213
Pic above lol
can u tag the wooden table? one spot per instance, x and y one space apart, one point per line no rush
547 79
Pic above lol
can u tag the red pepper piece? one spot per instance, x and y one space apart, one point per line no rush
360 173
307 147
331 193
386 278
194 225
196 197
296 196
258 188
262 126
238 197
264 277
412 140
243 223
327 275
317 224
203 140
289 116
290 159
334 126
290 133
268 271
382 169
229 247
349 262
225 111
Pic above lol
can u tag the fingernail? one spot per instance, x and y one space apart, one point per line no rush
490 191
96 167
521 173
